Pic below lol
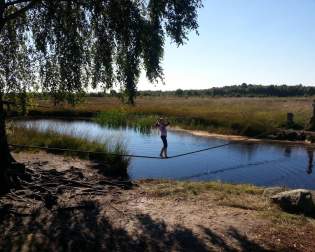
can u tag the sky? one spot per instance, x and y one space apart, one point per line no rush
251 41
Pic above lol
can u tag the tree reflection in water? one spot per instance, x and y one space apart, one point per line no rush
310 154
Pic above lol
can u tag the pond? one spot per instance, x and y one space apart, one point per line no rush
262 164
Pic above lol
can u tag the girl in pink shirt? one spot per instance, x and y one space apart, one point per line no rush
161 124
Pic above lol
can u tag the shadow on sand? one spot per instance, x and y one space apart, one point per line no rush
85 228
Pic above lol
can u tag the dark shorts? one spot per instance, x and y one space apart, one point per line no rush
164 141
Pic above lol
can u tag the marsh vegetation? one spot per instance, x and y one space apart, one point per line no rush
225 115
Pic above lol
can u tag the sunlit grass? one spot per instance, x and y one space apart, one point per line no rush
242 196
169 188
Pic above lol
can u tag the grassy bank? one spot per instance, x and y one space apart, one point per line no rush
243 116
113 164
241 196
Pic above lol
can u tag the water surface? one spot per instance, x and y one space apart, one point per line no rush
262 164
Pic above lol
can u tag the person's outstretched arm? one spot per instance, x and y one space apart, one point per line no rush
167 123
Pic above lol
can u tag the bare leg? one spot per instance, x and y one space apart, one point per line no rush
165 152
161 153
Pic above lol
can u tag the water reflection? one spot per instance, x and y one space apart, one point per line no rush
287 151
248 149
310 154
237 167
263 164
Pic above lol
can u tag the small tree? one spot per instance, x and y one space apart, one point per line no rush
65 46
179 92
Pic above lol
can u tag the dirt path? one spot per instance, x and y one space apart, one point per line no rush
83 211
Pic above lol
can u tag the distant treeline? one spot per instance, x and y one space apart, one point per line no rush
244 90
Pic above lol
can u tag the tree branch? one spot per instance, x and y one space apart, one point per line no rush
15 2
22 10
30 5
2 8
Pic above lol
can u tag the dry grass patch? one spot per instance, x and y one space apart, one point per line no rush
241 196
244 201
279 217
161 188
222 194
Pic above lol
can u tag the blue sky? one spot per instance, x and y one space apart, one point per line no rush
252 41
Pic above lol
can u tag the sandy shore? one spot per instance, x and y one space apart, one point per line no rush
238 138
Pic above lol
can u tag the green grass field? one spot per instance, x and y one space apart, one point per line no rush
243 116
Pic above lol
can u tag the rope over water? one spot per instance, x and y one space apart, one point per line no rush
132 155
114 154
81 151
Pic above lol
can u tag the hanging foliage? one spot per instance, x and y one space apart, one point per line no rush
68 47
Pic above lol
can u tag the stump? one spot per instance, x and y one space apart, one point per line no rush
290 121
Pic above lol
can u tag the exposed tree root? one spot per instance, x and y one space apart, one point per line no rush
36 187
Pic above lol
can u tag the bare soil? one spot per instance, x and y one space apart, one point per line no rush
66 205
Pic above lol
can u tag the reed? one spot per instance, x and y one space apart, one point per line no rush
120 118
144 123
113 118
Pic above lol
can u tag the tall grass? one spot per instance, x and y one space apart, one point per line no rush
144 123
111 164
113 118
120 118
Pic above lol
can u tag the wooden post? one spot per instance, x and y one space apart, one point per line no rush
311 125
290 120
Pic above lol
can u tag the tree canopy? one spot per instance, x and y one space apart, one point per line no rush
69 46
66 47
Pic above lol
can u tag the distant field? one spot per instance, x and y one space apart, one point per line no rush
245 116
